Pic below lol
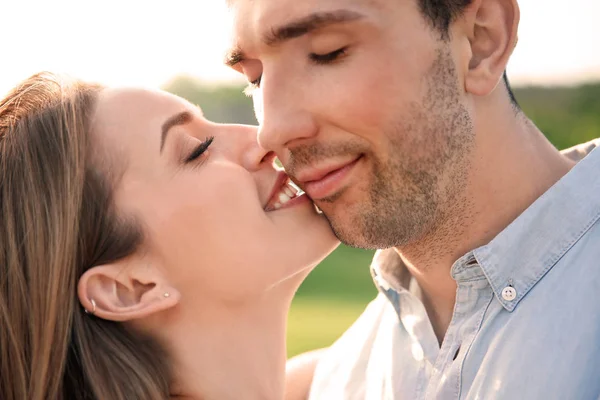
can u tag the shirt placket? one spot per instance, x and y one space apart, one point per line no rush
414 320
473 295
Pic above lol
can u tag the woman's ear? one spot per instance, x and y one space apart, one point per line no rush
492 27
125 291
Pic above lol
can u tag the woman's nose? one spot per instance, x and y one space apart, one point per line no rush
252 156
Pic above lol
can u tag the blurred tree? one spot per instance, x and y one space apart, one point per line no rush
566 115
225 104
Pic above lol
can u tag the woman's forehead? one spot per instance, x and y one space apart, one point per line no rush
125 103
127 113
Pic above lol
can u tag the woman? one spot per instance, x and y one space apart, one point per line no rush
146 253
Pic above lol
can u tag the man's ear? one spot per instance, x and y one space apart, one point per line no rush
125 291
491 27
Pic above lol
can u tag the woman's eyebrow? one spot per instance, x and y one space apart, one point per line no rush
181 118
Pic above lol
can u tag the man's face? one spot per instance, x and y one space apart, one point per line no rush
363 104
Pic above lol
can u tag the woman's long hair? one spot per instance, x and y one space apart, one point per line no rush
57 219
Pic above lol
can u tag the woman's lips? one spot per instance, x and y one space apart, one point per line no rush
283 194
299 199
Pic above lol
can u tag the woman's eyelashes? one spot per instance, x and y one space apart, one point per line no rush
199 150
319 59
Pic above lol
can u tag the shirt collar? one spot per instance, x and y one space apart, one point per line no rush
532 244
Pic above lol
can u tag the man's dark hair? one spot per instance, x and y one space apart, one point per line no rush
441 13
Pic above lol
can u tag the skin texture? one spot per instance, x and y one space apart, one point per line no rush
413 143
428 154
216 272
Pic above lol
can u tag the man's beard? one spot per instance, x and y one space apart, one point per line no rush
424 178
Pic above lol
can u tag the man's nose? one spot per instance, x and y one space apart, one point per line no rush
284 117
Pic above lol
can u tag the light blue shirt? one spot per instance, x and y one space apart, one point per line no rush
526 323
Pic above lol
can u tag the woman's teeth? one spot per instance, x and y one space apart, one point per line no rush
287 193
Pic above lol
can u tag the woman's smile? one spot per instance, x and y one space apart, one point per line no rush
284 194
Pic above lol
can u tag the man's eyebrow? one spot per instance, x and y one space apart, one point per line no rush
178 119
309 23
295 29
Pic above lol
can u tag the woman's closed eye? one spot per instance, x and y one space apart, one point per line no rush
199 150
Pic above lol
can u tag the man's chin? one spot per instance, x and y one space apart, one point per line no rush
351 235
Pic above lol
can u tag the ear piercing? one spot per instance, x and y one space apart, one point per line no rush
93 308
93 302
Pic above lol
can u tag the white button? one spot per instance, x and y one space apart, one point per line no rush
509 293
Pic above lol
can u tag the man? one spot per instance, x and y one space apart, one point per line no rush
394 117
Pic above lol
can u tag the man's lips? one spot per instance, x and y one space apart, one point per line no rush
322 182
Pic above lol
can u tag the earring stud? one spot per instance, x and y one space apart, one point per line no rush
167 294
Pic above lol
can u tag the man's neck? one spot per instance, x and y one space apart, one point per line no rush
511 166
232 352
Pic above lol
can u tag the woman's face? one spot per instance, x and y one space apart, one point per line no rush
212 205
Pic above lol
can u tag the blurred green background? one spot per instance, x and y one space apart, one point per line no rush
336 293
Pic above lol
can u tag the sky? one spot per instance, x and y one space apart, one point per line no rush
136 42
